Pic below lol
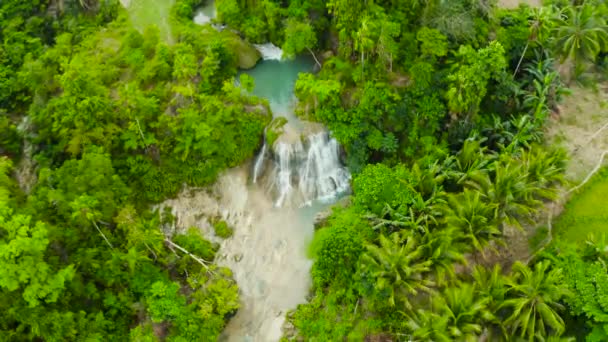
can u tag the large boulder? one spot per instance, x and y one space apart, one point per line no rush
247 55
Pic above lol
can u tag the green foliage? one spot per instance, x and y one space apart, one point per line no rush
222 229
299 37
123 118
432 42
468 81
396 269
378 186
193 242
584 213
466 311
336 248
585 277
275 129
534 300
10 141
580 34
22 263
475 218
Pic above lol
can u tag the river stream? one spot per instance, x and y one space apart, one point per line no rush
272 212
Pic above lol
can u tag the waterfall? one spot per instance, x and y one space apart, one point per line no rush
270 51
309 171
259 162
322 177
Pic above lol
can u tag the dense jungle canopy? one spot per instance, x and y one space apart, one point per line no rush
441 109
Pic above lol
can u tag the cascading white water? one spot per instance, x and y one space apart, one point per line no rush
259 163
269 51
307 172
322 177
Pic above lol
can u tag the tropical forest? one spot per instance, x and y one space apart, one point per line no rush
303 170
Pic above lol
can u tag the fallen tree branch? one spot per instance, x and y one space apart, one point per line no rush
597 167
597 132
102 235
204 263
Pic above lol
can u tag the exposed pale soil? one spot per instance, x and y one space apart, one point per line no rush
515 3
577 129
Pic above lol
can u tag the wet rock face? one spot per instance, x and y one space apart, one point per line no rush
321 219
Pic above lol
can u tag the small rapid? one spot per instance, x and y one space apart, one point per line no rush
269 51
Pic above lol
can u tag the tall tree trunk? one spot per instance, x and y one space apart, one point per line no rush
362 64
521 58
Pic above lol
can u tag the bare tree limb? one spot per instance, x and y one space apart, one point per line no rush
102 234
315 57
197 259
597 132
594 171
151 251
143 139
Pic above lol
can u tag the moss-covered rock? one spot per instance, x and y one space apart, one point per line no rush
247 55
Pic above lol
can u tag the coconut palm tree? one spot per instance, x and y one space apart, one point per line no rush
544 169
580 34
534 301
491 284
465 309
442 249
470 163
509 189
541 22
396 267
474 217
428 326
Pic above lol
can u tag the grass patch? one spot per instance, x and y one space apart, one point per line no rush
586 212
145 13
537 239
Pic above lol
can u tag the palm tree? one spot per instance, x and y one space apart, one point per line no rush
581 34
466 311
490 284
442 250
428 326
474 217
544 169
533 300
540 25
470 163
396 267
509 189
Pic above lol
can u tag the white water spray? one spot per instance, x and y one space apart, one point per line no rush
305 172
270 51
259 163
322 177
206 13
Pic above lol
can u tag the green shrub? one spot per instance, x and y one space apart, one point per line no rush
222 229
